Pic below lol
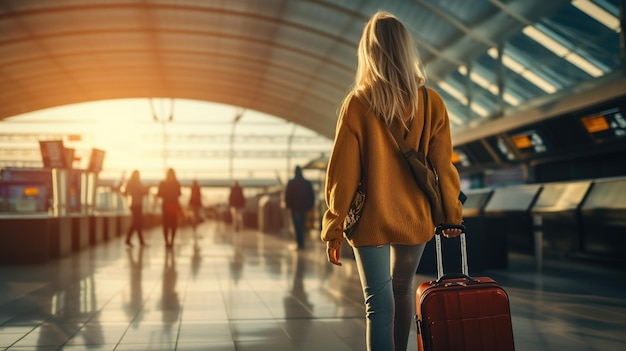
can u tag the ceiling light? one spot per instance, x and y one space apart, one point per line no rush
510 99
540 82
492 88
481 111
455 119
520 69
598 13
455 93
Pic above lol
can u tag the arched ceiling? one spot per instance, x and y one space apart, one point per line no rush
288 58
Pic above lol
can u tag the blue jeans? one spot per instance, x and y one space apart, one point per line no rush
387 274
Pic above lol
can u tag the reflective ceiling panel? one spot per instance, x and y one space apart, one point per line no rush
295 59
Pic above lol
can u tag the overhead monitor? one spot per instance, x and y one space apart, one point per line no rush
459 158
96 160
529 142
503 149
595 124
53 154
605 125
69 157
455 157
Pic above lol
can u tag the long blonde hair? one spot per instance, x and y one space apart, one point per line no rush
389 72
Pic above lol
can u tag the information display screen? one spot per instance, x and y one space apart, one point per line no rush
96 160
459 157
529 142
606 125
69 157
53 154
499 145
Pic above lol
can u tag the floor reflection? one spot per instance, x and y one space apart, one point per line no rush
196 258
248 291
298 308
135 298
170 303
237 260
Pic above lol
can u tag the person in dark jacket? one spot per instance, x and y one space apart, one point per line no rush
136 191
169 191
237 203
299 199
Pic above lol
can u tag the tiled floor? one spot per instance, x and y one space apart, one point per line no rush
250 291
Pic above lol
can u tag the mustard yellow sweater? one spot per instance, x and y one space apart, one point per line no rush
395 210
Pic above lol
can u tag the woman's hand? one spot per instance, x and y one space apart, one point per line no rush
451 232
333 249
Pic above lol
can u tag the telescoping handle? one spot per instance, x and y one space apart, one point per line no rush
464 268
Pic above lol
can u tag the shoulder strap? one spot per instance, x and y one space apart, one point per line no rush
404 147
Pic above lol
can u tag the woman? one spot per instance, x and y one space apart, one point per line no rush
396 223
136 191
195 202
169 191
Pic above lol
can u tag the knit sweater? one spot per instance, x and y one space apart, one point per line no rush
395 210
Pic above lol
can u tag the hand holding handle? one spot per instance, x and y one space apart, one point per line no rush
440 228
438 231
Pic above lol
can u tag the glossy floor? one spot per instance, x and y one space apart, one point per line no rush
221 290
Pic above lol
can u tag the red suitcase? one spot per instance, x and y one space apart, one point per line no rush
459 312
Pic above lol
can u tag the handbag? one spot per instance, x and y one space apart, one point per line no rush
422 169
354 212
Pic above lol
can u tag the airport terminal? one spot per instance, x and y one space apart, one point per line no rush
243 91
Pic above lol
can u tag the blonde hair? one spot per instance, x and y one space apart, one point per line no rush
389 72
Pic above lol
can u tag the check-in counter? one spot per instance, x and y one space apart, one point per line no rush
486 240
96 230
556 219
486 244
80 232
125 220
508 211
24 239
59 236
251 213
111 226
270 214
603 217
34 238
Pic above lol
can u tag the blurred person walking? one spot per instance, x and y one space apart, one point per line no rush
237 203
169 191
395 221
299 199
195 203
135 191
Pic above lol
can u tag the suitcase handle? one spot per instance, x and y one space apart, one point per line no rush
455 276
440 228
438 231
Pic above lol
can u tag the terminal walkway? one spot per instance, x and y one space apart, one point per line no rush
225 290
